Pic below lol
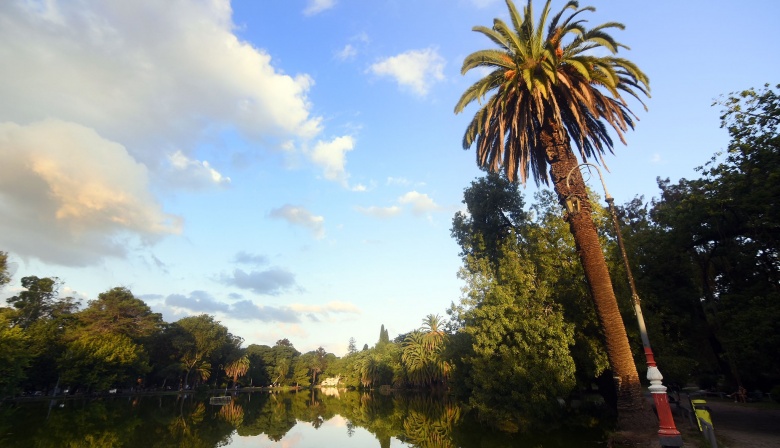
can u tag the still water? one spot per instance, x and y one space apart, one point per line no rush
267 420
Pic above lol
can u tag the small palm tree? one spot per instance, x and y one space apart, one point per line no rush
237 368
434 335
550 89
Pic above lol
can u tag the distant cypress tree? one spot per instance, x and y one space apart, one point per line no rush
384 336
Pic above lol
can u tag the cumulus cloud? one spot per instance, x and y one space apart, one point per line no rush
67 194
332 157
270 282
146 73
299 216
421 203
415 70
317 6
125 92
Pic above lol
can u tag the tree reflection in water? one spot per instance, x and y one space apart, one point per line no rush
188 420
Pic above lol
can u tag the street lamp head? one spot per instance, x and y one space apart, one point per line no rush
573 204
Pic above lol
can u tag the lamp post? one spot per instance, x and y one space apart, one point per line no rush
668 434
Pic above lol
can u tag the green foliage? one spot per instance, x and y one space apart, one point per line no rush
384 336
15 356
543 240
494 208
567 78
722 232
197 339
36 302
118 311
518 359
352 347
102 361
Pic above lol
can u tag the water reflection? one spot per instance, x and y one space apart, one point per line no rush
264 419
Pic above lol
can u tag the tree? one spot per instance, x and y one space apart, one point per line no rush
237 368
384 336
552 89
102 361
118 311
515 334
15 356
724 228
317 364
281 370
494 207
198 338
35 303
352 348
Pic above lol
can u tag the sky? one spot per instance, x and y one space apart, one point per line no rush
292 167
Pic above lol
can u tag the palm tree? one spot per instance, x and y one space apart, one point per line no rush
237 368
434 335
547 91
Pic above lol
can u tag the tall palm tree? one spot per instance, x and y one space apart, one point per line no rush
548 90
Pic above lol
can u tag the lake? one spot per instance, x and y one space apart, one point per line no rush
303 419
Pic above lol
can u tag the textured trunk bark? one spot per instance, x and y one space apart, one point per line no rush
633 413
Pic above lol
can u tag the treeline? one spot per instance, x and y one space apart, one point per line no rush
48 343
524 333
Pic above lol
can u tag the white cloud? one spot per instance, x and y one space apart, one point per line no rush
301 217
346 53
420 203
147 74
186 172
416 70
380 212
332 157
317 6
67 195
359 188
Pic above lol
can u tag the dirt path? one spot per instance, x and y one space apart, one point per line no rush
740 425
737 425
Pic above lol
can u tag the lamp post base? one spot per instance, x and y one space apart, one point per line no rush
667 433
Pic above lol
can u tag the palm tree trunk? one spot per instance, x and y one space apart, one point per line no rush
632 409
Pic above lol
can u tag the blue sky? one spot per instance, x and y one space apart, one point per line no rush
293 167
